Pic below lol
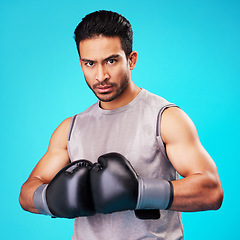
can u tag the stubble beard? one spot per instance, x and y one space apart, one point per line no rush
110 96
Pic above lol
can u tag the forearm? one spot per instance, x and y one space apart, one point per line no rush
26 195
197 192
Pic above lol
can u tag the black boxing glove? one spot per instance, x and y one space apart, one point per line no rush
68 195
117 187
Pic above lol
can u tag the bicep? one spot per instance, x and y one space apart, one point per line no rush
183 146
56 156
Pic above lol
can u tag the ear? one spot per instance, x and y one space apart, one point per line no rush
132 59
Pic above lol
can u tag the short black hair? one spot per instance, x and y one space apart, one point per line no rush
108 24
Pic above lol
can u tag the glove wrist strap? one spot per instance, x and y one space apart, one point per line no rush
154 194
39 200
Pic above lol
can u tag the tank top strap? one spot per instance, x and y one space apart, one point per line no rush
71 126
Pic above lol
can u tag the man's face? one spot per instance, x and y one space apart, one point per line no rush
105 66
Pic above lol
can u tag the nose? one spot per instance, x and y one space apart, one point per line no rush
101 74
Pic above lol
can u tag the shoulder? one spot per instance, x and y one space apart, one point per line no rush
176 125
64 125
89 111
154 101
152 97
60 135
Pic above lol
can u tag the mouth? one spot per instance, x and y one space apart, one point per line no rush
104 89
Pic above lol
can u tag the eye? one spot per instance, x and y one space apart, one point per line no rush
111 61
89 64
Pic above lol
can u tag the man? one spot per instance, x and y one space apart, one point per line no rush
126 151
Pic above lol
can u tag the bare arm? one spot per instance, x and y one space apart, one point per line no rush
200 189
50 164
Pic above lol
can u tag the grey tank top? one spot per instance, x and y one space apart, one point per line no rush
134 131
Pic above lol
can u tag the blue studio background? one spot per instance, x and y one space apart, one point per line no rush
189 53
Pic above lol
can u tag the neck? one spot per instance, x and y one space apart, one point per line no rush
126 97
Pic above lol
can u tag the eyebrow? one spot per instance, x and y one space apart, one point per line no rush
104 60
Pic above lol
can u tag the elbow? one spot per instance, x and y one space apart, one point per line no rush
24 199
21 201
216 197
211 194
